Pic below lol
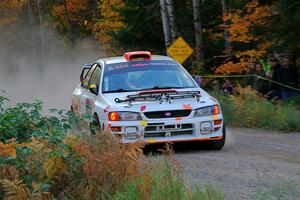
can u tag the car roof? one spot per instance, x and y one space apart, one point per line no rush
120 59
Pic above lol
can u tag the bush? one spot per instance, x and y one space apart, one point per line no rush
40 159
250 110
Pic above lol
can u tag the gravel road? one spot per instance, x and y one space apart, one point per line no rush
254 164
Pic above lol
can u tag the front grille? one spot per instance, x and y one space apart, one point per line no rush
167 114
168 130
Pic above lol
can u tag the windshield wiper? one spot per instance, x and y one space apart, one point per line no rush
160 88
118 90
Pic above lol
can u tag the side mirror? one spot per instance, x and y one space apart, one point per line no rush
93 87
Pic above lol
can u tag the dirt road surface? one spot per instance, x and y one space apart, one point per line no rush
254 164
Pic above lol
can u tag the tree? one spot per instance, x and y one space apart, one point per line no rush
171 16
248 45
225 23
70 16
110 22
198 32
165 23
284 27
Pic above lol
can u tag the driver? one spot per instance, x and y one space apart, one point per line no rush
120 81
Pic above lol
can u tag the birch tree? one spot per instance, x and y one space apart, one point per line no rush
198 31
171 16
225 23
41 8
165 23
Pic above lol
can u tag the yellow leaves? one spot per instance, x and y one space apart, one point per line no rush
111 21
14 190
240 24
74 10
231 67
54 166
71 140
10 11
8 150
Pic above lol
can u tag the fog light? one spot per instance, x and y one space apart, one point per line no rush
131 132
116 128
206 127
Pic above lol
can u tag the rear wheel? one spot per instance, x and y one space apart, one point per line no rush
217 144
95 125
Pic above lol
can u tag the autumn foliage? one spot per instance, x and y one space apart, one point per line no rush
241 25
10 11
110 21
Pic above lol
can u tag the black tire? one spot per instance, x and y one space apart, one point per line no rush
217 144
95 125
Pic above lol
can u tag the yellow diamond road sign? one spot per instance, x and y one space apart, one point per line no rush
180 50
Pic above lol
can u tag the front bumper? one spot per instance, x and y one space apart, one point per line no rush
168 130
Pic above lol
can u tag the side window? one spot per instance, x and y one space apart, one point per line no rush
96 76
85 82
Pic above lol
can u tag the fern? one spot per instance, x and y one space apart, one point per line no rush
14 190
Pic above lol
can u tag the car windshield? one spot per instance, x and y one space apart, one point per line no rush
145 75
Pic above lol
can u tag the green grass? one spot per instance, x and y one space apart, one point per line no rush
167 183
250 110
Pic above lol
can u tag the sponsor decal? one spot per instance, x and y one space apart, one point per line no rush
142 108
143 123
89 106
187 107
151 140
168 114
106 109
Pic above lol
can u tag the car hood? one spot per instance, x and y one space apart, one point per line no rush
148 106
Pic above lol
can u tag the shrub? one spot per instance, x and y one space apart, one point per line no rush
250 110
40 159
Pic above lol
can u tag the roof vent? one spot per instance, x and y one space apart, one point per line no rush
138 55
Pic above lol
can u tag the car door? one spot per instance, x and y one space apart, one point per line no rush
84 89
89 94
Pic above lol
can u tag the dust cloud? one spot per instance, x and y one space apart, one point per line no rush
47 72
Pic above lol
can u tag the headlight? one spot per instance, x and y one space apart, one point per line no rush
206 111
124 116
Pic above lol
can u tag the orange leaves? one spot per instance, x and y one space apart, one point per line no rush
111 21
54 166
240 23
72 10
10 11
8 150
230 67
107 163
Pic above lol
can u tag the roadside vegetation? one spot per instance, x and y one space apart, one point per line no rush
43 157
247 109
40 159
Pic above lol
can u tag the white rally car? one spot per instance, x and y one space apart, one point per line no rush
141 97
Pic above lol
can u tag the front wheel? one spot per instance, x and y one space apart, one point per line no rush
95 125
217 144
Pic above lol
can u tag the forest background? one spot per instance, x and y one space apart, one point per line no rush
44 43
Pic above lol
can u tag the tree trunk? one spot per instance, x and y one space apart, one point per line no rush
171 15
226 33
198 31
166 23
41 6
31 35
70 24
94 4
